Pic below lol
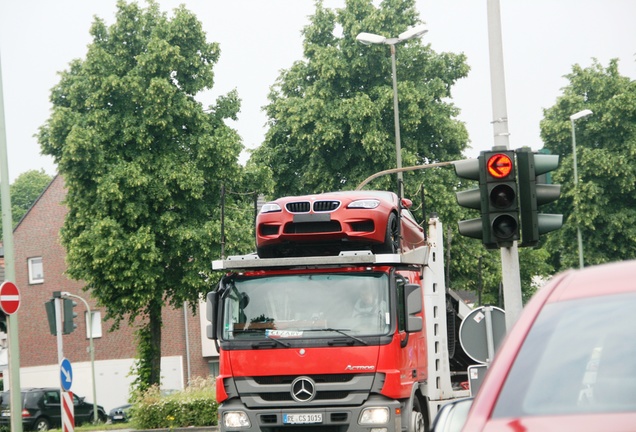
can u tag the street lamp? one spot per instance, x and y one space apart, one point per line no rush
370 38
574 117
91 348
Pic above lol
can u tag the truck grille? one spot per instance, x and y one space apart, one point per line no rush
333 390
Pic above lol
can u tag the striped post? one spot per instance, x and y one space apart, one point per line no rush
68 415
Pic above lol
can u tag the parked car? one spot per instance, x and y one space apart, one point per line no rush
120 414
569 363
41 409
347 220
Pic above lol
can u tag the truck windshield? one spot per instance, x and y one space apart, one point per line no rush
306 306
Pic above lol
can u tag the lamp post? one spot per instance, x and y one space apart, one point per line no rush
370 38
573 118
90 348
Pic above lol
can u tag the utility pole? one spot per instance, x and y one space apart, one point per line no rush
509 255
9 274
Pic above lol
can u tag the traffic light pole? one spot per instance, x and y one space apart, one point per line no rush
91 349
509 255
57 301
511 279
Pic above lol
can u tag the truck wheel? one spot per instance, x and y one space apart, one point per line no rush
392 238
417 422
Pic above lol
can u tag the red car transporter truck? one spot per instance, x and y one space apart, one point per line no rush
353 342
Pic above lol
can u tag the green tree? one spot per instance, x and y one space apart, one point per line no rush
331 114
144 164
24 190
604 206
331 126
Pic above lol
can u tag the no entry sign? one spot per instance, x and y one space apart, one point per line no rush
9 297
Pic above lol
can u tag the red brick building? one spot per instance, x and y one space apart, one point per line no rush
40 270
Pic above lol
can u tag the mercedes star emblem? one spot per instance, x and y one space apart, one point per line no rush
303 389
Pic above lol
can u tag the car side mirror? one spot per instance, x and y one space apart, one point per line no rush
406 203
452 416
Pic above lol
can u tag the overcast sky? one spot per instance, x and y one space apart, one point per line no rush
542 39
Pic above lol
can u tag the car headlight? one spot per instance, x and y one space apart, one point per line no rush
270 207
364 204
236 419
373 416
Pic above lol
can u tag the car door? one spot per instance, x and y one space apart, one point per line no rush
51 406
82 410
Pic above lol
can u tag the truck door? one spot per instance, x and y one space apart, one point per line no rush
410 343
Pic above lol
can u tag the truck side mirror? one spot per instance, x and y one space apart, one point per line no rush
210 312
413 296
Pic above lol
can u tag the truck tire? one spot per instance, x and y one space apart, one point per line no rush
417 422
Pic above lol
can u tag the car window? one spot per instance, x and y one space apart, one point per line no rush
579 356
51 397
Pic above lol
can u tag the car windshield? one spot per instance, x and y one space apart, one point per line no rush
306 306
579 356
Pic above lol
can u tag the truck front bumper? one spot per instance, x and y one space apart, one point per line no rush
377 414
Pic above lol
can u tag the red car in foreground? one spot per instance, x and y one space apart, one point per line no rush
336 221
569 363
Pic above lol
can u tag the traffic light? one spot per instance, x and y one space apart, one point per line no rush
50 316
501 190
69 316
532 194
473 169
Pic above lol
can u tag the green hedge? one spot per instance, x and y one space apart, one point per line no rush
195 406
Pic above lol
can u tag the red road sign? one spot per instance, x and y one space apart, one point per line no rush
499 165
9 297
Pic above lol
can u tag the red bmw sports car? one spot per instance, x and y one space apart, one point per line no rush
332 222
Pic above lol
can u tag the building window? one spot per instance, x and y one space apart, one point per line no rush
36 270
213 366
97 324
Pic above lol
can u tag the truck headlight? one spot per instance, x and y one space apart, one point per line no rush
374 415
236 419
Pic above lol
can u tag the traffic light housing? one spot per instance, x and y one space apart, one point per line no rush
69 315
496 198
533 193
473 169
501 190
50 316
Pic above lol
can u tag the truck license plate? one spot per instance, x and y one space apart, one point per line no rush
302 418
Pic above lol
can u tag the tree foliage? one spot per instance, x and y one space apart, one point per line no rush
24 190
604 204
144 164
331 126
331 122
